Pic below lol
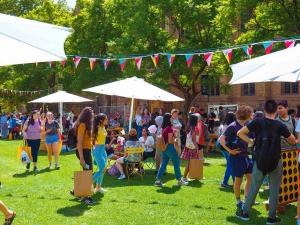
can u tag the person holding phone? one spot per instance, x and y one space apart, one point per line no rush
241 164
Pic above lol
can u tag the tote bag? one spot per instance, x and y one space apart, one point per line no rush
83 183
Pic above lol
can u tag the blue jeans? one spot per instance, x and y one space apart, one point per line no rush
100 159
139 130
172 154
4 130
228 168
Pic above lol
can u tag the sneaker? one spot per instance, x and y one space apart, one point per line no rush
57 166
35 169
241 215
239 206
185 179
88 201
50 166
100 190
275 220
181 182
226 185
158 183
122 177
27 167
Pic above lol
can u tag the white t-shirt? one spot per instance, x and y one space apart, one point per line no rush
138 120
147 143
298 127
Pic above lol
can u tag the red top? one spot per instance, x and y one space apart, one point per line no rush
166 133
200 132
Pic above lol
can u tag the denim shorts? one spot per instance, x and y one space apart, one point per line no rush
50 139
240 165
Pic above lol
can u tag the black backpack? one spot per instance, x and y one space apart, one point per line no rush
72 139
266 155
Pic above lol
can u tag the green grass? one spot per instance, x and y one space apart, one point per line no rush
43 198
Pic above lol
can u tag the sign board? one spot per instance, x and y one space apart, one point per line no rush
226 108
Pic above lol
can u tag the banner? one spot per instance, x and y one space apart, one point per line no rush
171 58
76 60
189 59
122 64
290 44
92 63
208 57
268 45
155 59
106 63
228 54
248 50
138 62
63 63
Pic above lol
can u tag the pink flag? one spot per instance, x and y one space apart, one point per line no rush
289 43
208 57
76 60
189 59
138 62
268 45
122 64
106 63
92 63
228 54
63 63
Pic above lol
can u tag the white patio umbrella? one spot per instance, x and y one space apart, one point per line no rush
28 41
61 97
134 88
282 65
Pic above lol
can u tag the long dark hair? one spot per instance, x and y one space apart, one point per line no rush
229 118
167 121
98 120
86 117
31 120
193 121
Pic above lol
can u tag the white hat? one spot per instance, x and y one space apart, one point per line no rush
152 129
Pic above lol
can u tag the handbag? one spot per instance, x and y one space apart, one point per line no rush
113 170
83 183
196 169
24 148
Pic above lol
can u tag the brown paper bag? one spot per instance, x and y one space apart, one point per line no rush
196 169
83 183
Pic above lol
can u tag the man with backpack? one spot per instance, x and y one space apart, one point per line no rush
267 158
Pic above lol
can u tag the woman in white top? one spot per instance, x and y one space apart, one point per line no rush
148 144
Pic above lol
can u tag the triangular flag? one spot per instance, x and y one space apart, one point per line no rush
171 58
189 59
122 64
63 63
106 63
138 62
76 60
155 59
248 50
92 63
228 54
289 43
208 57
268 46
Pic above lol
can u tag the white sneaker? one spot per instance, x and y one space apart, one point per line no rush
50 166
181 182
101 190
184 179
122 177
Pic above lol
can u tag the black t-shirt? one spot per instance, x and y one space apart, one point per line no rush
272 128
109 150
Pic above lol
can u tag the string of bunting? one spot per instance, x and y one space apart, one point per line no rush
207 55
10 92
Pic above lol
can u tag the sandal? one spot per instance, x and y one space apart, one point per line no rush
10 220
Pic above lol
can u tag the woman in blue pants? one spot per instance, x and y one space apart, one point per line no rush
169 153
99 153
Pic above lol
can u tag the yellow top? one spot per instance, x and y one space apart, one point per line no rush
87 138
101 137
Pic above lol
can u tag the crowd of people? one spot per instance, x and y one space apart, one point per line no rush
250 142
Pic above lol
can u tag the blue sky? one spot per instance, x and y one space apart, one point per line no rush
71 3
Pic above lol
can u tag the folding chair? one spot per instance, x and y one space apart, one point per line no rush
134 167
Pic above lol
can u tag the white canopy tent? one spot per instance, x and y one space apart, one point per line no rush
282 65
28 41
134 88
61 97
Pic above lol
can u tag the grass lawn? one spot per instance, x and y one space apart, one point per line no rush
43 198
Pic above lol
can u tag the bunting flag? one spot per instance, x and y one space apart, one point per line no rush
138 62
228 54
268 46
248 50
171 58
63 63
289 43
189 59
208 57
106 63
76 60
92 63
155 59
122 64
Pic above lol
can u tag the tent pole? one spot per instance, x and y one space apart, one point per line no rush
131 114
60 115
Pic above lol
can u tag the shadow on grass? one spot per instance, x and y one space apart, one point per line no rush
195 183
80 208
226 189
168 190
25 174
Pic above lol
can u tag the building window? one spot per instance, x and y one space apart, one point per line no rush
215 90
248 89
288 88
